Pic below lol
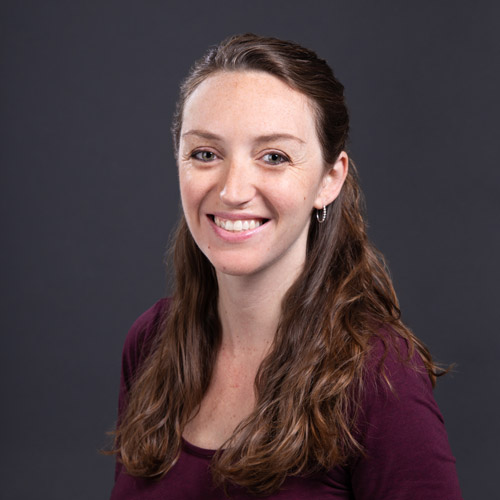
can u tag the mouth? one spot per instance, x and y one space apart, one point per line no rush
236 226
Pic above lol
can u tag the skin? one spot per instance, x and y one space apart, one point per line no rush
249 150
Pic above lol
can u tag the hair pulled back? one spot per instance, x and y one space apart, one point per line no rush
309 387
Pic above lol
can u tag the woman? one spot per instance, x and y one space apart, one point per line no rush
280 367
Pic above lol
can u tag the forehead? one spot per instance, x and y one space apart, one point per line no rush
248 101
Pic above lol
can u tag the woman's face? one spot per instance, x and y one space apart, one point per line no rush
251 172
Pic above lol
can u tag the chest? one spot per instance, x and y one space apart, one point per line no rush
229 400
190 479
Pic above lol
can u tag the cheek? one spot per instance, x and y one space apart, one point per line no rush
296 198
194 187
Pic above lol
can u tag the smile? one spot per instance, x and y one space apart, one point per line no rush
238 225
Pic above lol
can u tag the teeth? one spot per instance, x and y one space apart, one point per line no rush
237 225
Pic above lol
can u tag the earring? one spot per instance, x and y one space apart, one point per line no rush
321 218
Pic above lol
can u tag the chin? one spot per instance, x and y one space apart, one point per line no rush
236 266
236 270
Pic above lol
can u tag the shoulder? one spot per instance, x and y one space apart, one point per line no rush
146 325
394 367
397 388
141 336
401 429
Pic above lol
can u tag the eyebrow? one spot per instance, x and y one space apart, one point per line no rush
260 139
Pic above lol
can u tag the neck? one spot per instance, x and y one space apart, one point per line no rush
250 309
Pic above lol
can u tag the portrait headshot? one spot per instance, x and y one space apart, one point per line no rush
250 250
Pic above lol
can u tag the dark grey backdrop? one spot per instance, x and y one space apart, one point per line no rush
89 196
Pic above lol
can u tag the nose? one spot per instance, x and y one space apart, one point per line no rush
237 186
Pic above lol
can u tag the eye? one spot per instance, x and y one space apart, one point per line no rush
204 155
275 158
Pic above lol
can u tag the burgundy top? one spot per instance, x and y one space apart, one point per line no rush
407 450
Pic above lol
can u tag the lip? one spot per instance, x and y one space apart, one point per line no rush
231 236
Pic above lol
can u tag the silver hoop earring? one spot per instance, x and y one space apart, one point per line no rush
321 215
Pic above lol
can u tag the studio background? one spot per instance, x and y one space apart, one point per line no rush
89 196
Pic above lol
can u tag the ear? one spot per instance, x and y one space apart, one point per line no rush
332 181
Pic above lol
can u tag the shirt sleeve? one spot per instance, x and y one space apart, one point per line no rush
135 349
407 454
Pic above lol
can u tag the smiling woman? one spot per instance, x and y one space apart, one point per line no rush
280 367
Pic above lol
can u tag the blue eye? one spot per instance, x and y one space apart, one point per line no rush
275 158
204 156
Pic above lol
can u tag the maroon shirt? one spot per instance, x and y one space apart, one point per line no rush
407 450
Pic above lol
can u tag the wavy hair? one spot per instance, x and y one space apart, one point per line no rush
309 387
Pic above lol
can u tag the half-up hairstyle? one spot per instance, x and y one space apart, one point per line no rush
310 386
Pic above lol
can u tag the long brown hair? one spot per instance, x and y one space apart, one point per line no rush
309 387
